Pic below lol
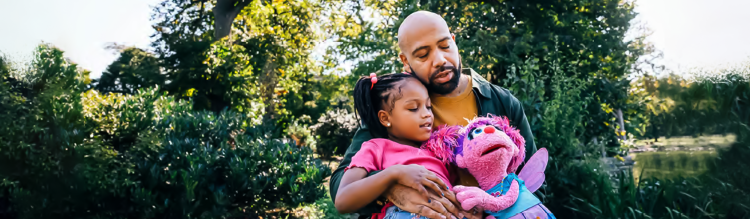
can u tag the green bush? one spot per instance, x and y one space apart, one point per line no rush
66 153
334 132
51 163
201 168
301 133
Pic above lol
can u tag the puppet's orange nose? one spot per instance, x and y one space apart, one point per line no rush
489 130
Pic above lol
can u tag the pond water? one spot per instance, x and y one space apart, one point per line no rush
671 164
670 158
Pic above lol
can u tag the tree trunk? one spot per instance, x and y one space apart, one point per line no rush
595 140
268 82
621 122
225 12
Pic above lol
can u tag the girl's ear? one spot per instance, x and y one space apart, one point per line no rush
385 118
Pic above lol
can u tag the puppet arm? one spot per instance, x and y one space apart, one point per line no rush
473 196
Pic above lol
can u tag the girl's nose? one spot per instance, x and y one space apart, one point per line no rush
489 130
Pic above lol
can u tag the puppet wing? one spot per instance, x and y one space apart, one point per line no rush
533 172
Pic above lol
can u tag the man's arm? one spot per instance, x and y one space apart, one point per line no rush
361 136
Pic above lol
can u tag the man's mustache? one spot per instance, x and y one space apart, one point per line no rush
435 74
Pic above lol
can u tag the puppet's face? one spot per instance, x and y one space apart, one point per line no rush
486 149
490 148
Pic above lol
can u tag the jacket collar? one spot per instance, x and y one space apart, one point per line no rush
479 84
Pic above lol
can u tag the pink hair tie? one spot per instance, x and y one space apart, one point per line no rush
373 79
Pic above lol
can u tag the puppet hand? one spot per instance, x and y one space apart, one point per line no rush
470 197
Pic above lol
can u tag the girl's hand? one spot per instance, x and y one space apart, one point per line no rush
419 178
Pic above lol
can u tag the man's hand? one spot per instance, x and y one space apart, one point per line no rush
475 213
408 199
439 207
418 178
420 191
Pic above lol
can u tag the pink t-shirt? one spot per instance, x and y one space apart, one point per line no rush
381 153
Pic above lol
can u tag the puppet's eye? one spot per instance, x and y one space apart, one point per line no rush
475 133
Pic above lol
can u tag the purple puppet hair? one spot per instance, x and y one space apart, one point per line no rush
503 124
443 142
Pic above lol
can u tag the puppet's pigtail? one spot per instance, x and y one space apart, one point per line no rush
442 142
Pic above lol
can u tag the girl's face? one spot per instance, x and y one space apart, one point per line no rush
410 116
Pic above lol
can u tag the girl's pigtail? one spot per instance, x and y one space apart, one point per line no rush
364 104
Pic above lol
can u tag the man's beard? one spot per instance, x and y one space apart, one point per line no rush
444 88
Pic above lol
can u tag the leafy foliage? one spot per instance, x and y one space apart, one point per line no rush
142 155
142 145
263 63
134 69
334 132
580 40
570 64
680 106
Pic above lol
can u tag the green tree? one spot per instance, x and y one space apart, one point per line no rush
70 153
584 40
133 70
265 62
680 106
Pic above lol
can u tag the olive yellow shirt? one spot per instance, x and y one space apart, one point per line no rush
454 110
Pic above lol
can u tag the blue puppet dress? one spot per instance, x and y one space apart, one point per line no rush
527 205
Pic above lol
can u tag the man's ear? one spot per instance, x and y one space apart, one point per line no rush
460 161
405 62
385 118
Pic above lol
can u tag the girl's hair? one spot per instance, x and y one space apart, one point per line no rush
368 101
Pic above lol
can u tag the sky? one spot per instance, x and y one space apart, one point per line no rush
698 33
690 33
81 28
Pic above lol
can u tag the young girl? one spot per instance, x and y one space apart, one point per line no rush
397 110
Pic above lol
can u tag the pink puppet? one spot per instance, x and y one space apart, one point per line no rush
491 150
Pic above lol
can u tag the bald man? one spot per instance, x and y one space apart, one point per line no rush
429 51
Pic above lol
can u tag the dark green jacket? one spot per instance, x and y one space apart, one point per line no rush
491 99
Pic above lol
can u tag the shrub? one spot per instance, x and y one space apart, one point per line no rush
67 153
301 133
51 163
334 132
200 168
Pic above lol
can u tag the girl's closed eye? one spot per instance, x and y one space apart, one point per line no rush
413 107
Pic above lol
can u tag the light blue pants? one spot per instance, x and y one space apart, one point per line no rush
394 212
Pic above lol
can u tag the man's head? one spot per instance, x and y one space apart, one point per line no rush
429 51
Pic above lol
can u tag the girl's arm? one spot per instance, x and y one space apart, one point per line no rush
356 191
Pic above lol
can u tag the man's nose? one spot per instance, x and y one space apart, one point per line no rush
439 60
